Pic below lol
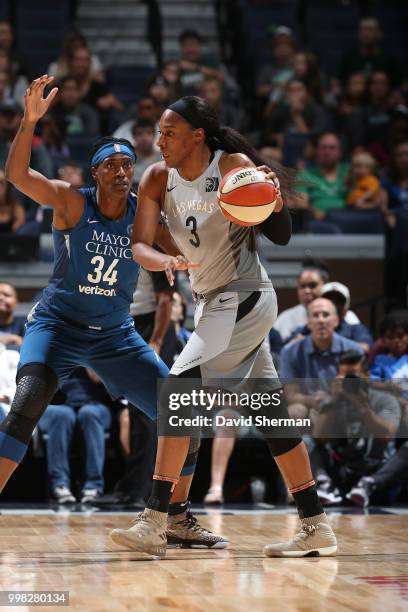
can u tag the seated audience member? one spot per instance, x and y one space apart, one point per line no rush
72 174
231 114
395 182
146 154
393 365
368 56
178 317
16 84
87 406
53 137
312 277
306 68
274 75
313 359
7 44
92 92
171 71
8 372
324 183
370 125
393 336
194 65
12 327
12 213
297 113
159 89
146 109
356 425
365 190
74 40
339 294
77 117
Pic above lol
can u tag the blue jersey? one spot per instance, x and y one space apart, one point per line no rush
94 273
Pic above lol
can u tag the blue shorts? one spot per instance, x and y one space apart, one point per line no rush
127 366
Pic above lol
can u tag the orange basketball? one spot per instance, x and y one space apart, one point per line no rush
246 196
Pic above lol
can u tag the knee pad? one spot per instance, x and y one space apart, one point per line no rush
283 438
36 386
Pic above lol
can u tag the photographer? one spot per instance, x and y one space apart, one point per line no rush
355 427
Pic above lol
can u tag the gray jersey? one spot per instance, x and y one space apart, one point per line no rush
225 251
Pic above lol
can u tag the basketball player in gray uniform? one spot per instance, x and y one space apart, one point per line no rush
236 307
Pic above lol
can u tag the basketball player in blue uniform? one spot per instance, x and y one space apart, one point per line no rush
236 307
83 316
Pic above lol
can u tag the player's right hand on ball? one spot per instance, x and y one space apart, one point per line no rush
177 263
35 106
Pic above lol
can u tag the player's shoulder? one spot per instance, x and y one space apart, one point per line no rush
229 161
155 172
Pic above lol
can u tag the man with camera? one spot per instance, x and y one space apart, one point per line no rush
354 431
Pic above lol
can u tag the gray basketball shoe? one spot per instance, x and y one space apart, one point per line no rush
315 539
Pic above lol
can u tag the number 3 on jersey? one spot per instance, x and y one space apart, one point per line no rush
110 276
193 222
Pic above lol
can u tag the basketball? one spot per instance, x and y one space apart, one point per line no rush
246 196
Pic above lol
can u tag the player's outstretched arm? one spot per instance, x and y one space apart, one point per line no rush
18 172
149 201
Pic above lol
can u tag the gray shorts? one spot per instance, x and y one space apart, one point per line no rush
230 339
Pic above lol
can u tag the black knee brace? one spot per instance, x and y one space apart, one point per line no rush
36 386
280 439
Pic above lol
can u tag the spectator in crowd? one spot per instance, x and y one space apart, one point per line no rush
395 182
88 405
368 56
143 138
11 114
365 191
178 317
231 114
16 84
392 337
346 101
53 138
312 277
314 359
7 44
339 294
159 89
357 425
171 71
306 69
12 327
393 365
147 109
74 40
8 371
194 65
370 125
12 213
324 183
72 174
297 113
91 92
274 76
79 118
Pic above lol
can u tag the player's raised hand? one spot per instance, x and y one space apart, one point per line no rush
35 106
177 263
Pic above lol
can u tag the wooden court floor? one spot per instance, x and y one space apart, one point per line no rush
73 553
